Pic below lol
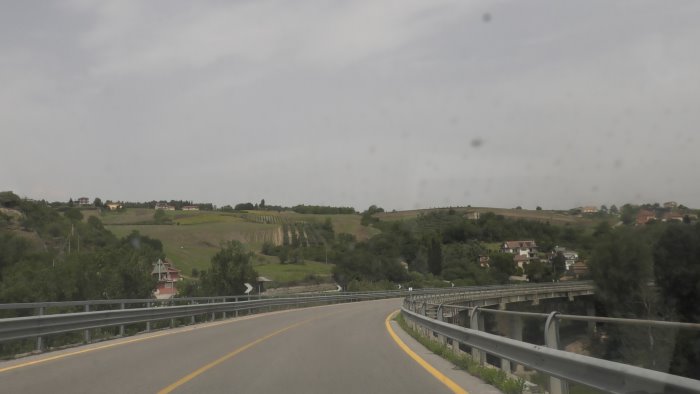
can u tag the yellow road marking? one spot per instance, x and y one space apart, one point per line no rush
220 360
102 347
437 374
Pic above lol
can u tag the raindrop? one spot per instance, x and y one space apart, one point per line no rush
486 17
477 142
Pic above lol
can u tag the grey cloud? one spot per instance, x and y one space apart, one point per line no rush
351 103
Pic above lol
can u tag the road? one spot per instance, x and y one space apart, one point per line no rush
343 348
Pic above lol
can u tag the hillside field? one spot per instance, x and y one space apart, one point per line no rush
195 236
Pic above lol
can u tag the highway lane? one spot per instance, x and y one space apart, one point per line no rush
339 348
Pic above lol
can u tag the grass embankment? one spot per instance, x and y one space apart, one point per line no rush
490 375
290 274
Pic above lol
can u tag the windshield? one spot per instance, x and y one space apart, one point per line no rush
172 149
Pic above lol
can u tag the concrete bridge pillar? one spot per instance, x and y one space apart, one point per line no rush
476 322
514 331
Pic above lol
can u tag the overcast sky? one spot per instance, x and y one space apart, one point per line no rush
401 103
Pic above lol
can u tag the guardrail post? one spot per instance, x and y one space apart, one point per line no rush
455 344
121 326
148 323
476 322
590 311
192 318
223 314
441 317
40 339
213 315
86 333
551 340
235 312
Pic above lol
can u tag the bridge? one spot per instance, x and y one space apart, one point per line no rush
315 343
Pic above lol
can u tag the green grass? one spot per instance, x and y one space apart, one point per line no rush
192 246
341 223
291 273
195 236
490 375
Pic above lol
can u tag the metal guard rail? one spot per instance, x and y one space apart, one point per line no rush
596 373
38 326
423 293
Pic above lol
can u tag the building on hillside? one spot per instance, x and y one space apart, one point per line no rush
524 251
165 206
190 208
113 206
82 201
570 256
484 261
166 275
589 210
580 269
672 216
671 205
645 216
522 260
472 215
523 248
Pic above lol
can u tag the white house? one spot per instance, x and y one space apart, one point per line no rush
570 256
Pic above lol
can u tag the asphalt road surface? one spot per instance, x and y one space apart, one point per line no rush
343 348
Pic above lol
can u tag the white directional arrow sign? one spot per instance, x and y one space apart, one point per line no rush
248 288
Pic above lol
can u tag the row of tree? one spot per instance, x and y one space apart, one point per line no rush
651 272
47 254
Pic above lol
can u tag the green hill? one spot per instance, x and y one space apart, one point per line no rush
551 216
193 237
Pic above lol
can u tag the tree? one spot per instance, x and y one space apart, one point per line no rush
97 202
9 199
461 261
73 214
621 266
604 209
231 267
558 265
602 229
539 208
160 217
70 202
614 210
262 204
677 270
434 255
502 266
677 274
246 206
628 214
536 271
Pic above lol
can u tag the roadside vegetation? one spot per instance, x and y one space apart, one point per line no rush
493 376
